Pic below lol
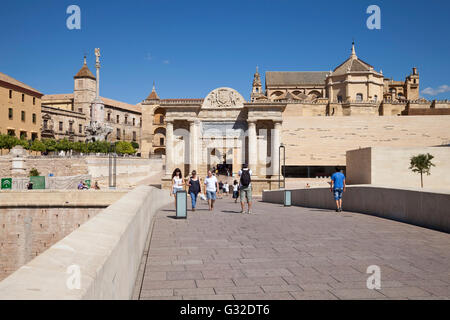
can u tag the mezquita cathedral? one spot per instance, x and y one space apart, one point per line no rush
316 116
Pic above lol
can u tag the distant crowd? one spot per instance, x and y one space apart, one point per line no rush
211 189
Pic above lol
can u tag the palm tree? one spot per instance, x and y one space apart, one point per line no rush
422 164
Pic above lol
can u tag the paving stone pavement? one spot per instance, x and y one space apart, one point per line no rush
290 253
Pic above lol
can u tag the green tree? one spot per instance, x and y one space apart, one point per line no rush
24 143
421 164
9 142
63 145
98 147
50 145
2 141
104 147
80 147
124 147
34 173
37 145
135 145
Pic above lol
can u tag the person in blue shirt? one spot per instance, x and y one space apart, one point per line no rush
338 187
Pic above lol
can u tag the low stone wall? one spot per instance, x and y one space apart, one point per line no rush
32 221
54 183
59 198
105 252
97 167
422 208
130 170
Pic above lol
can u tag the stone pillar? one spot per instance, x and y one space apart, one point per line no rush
252 147
275 149
193 133
169 147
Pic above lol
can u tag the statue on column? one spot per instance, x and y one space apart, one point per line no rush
98 130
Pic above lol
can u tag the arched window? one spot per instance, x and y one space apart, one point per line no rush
315 94
375 98
359 97
276 94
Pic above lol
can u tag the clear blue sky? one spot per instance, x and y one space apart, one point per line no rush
192 47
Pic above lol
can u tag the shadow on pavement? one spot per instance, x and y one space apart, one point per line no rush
323 210
229 211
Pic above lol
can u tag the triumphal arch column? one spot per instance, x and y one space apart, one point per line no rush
223 131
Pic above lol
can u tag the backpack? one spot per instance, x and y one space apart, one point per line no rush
245 178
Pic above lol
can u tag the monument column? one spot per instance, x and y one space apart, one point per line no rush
275 149
252 147
169 147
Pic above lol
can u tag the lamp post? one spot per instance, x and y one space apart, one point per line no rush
279 165
112 167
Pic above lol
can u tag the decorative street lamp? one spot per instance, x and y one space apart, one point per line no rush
279 165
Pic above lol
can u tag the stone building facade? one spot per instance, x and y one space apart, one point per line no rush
74 110
317 116
63 124
20 109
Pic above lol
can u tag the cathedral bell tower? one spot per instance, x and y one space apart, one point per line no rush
257 86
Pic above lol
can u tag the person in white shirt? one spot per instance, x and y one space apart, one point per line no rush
235 191
226 188
177 183
211 189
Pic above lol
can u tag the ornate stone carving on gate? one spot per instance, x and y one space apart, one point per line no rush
223 98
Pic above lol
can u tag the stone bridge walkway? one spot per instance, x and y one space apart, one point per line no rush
290 253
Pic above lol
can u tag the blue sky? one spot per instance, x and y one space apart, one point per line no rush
191 47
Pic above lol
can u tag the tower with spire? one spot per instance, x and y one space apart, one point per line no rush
353 55
148 107
85 84
256 86
153 96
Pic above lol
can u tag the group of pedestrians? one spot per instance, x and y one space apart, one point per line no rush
211 188
241 189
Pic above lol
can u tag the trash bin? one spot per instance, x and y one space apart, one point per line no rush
287 198
181 204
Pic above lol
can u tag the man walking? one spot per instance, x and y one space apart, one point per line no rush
338 187
211 189
245 187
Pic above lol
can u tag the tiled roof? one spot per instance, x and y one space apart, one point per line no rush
196 100
352 64
153 96
121 105
63 96
84 73
292 78
106 101
11 80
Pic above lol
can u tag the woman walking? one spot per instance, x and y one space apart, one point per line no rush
194 188
177 183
